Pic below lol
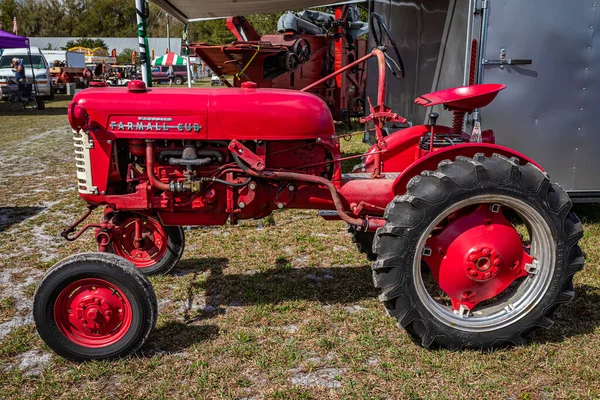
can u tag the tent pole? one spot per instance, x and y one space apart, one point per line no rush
37 93
187 55
140 7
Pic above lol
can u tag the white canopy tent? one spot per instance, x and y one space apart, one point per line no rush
198 10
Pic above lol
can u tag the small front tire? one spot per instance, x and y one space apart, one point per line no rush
94 306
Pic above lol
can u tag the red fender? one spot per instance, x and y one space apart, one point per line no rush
402 147
430 161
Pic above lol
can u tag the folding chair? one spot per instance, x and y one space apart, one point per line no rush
24 95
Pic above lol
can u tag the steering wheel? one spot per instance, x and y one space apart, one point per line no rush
378 28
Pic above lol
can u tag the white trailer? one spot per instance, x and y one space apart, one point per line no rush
544 52
71 59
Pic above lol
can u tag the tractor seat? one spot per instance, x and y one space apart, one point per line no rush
464 99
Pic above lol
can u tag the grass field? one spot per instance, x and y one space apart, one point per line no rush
284 312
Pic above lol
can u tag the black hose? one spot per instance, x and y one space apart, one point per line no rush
195 162
231 183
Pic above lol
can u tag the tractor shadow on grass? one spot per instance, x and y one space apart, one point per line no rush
174 337
277 284
588 213
580 317
283 283
13 215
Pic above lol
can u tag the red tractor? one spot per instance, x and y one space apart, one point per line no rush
472 245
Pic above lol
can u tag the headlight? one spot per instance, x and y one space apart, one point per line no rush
42 76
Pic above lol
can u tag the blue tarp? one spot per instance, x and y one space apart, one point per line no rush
10 41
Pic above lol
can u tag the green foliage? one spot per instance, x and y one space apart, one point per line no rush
125 56
115 18
86 42
7 8
112 18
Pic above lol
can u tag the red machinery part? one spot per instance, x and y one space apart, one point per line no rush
476 256
466 98
261 60
143 241
92 313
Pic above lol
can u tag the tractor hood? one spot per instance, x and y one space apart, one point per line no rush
202 114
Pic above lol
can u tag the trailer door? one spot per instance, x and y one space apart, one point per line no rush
548 108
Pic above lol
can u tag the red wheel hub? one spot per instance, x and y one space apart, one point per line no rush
476 256
144 250
92 313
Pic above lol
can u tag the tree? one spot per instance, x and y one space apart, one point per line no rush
125 56
8 8
112 18
86 42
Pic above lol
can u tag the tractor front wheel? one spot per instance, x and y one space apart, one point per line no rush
159 249
477 254
94 306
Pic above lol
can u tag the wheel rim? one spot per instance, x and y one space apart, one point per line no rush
472 259
92 313
151 249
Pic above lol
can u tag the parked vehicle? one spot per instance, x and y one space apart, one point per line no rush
39 67
71 59
159 74
67 67
215 80
473 246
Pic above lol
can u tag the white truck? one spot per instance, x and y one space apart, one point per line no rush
35 65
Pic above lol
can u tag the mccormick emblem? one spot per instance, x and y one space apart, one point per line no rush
154 124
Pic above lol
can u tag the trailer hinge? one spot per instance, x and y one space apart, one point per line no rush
478 7
506 61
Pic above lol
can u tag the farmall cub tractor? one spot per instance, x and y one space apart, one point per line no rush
472 246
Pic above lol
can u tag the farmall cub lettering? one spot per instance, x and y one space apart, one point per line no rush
146 124
472 245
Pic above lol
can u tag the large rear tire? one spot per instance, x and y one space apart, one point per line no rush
94 306
455 272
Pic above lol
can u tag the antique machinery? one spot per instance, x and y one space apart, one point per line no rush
308 46
472 245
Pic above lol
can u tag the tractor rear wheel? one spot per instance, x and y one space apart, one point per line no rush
477 254
158 252
94 306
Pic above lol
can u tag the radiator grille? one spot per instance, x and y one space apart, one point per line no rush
82 163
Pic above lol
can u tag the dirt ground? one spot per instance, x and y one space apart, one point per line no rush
283 312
